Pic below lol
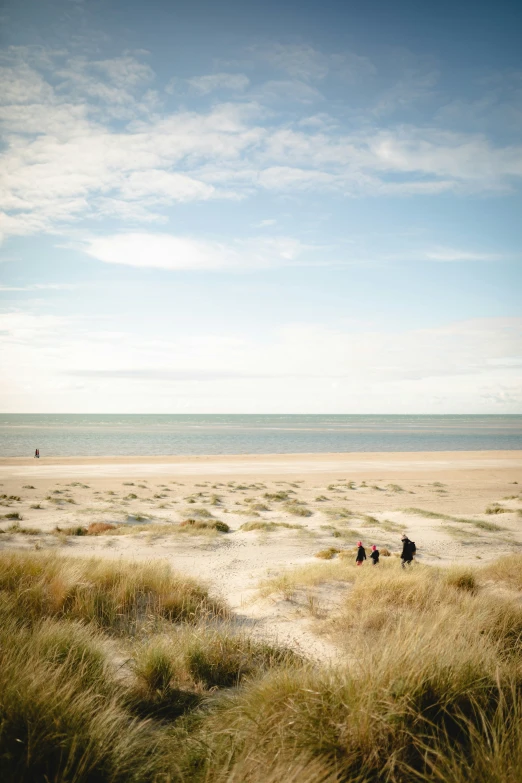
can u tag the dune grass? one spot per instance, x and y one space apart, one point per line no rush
431 689
481 524
268 527
327 554
108 593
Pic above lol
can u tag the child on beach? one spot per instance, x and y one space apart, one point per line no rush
361 554
375 555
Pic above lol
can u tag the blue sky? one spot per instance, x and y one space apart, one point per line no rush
261 207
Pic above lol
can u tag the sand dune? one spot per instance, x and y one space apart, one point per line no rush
298 504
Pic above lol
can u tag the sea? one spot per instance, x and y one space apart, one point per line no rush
78 435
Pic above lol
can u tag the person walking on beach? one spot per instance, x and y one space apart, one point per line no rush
375 555
37 454
408 551
361 554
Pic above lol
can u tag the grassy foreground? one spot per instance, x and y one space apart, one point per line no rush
114 672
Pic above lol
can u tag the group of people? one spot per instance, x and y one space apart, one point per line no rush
408 553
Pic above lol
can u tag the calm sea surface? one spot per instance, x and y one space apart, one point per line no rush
93 435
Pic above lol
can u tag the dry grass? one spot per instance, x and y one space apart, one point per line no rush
327 554
297 509
268 527
507 570
481 524
109 593
201 524
431 690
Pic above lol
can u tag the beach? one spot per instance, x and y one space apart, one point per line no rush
281 510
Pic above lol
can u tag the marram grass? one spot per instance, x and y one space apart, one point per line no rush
99 683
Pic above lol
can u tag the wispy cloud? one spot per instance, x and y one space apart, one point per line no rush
67 161
41 287
166 251
233 82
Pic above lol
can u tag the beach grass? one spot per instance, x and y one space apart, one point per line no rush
114 672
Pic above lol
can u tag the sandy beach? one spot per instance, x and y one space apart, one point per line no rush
459 507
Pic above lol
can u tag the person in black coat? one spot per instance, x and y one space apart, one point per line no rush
375 555
361 554
408 550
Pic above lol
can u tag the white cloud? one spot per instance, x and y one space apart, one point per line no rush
40 287
234 82
66 161
165 251
453 254
305 63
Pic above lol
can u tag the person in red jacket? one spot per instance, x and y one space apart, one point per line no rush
361 554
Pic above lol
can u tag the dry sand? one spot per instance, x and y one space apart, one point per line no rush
334 498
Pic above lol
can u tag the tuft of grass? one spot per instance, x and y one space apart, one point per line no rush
200 524
74 530
203 513
268 527
394 488
489 526
496 508
28 486
297 509
36 505
327 554
339 513
278 496
24 531
99 528
12 515
259 507
392 527
448 517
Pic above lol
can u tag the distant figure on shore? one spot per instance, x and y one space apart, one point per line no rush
361 554
37 454
375 555
408 551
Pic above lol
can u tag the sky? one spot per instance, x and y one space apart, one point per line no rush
260 207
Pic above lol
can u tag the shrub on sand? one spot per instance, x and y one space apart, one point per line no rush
268 527
99 528
199 524
297 509
327 554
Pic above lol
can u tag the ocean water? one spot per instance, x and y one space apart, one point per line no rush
147 435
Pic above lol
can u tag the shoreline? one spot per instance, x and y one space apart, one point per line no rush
369 463
274 456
